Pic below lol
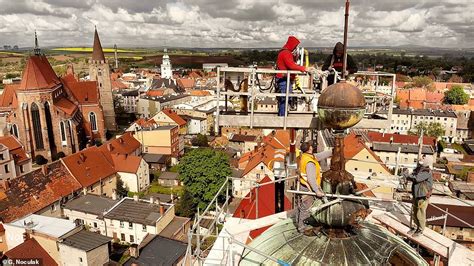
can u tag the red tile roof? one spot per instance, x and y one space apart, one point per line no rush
36 190
38 74
126 163
280 140
353 145
125 144
117 85
266 202
399 138
8 98
66 106
186 83
143 123
199 93
15 148
155 93
31 249
85 92
174 116
89 166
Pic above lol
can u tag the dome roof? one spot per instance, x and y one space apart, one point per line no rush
370 245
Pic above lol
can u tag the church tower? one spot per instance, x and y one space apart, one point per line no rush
99 71
166 72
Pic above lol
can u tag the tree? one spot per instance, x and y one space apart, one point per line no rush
121 189
186 206
200 140
40 160
456 95
434 130
422 82
203 171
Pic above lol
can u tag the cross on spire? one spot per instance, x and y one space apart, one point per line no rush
37 50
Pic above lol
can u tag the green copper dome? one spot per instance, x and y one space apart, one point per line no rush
370 245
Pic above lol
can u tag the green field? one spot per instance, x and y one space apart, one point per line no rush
89 50
11 53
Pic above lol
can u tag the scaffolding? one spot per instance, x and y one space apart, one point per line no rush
377 99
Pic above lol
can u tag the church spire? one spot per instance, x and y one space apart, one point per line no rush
97 53
37 50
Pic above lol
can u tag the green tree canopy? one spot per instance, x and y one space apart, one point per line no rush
121 189
456 95
200 140
422 82
203 171
434 130
186 206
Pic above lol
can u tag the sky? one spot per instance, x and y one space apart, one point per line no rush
236 23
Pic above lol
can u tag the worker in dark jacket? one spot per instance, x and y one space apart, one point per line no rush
335 61
422 185
286 61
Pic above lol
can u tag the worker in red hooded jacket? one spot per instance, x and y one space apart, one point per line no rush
286 61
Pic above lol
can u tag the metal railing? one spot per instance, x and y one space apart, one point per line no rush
377 100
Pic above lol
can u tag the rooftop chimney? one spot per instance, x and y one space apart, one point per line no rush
114 194
44 169
134 250
162 210
82 157
6 184
110 147
152 200
135 198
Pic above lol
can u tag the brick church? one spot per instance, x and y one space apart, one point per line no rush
51 114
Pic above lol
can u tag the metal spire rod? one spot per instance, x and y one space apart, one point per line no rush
37 50
346 25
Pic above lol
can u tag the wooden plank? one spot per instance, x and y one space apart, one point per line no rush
423 240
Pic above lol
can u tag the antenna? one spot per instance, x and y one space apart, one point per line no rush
37 50
346 25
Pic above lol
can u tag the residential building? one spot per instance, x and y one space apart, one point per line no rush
133 171
406 120
125 144
403 155
161 140
84 248
157 161
94 171
195 125
131 220
267 104
30 249
148 106
130 101
185 84
260 162
47 231
177 229
88 210
168 117
99 71
169 179
243 143
158 249
14 161
41 191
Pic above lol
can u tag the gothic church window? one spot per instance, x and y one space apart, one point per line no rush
14 130
62 128
93 121
38 135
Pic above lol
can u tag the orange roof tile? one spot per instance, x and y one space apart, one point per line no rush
399 138
143 123
353 145
15 148
186 83
85 92
117 85
8 98
31 249
126 163
155 93
199 93
125 144
66 106
38 74
174 116
89 166
36 190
